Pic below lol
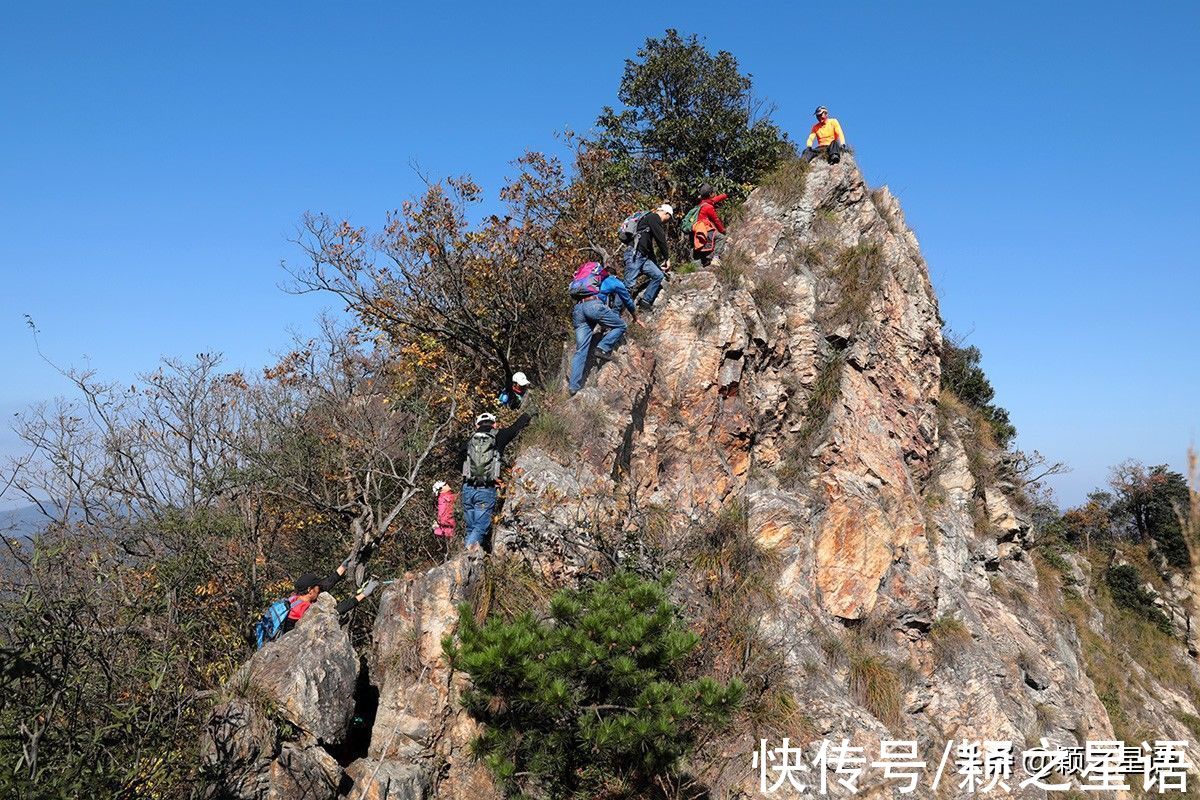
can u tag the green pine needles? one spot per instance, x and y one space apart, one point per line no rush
592 702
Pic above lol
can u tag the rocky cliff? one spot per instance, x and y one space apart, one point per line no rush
774 435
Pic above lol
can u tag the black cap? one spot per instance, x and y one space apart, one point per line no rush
306 582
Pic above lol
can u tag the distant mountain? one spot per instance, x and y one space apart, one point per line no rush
22 522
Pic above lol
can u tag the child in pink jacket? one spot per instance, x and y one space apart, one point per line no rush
444 526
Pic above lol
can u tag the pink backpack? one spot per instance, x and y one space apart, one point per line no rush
587 280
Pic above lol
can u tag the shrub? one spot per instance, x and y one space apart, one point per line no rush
962 374
593 697
1125 583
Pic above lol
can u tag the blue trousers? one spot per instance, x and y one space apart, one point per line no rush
586 315
636 264
479 503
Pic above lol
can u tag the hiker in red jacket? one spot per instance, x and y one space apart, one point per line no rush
708 232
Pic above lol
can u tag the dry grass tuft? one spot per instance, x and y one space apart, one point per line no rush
947 638
784 186
509 588
875 684
770 289
858 275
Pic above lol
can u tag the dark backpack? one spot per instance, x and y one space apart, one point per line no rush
628 232
587 280
267 629
483 459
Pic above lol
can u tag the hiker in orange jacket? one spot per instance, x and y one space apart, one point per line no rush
829 138
708 232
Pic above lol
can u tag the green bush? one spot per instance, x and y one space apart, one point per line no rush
1125 583
592 699
962 374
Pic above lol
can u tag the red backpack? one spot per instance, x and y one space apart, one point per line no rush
587 280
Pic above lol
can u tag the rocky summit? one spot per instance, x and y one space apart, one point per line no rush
772 433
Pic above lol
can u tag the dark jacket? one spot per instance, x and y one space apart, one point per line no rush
649 231
300 609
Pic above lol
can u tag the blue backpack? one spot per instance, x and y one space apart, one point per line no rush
267 629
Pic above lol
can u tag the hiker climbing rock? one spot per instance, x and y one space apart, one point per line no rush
283 614
639 256
829 138
708 232
482 457
593 290
516 393
443 525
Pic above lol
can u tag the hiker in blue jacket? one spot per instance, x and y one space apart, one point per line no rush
594 308
515 394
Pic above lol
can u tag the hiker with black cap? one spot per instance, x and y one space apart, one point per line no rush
283 615
309 586
829 138
482 456
516 393
639 256
708 232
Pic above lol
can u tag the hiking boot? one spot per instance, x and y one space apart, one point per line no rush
603 356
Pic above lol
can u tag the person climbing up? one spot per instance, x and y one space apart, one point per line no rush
443 526
829 137
482 456
283 615
639 256
514 395
593 290
708 232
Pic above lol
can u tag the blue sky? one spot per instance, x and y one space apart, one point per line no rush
157 157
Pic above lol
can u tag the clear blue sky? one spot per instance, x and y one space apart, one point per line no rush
156 158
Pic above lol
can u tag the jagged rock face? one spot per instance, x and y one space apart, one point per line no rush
419 725
304 681
801 380
721 386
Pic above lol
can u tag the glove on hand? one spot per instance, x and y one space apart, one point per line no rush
368 588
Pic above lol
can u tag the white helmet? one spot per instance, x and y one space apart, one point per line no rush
437 487
486 416
519 379
666 208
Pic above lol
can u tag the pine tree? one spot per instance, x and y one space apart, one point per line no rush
592 702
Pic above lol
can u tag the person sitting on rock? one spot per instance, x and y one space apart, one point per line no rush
594 293
708 232
515 394
482 457
829 138
639 256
